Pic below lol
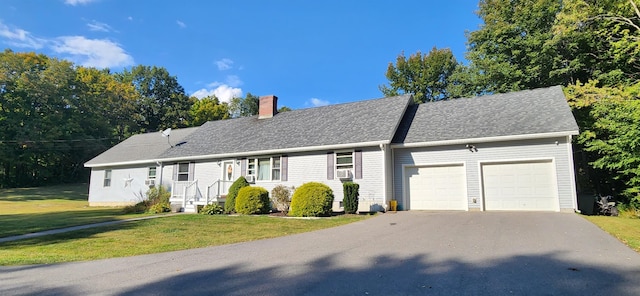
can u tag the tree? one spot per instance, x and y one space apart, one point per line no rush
162 102
243 107
424 76
206 109
508 52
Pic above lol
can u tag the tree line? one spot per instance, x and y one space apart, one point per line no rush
55 115
592 48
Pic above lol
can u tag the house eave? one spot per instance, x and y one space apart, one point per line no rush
241 154
485 139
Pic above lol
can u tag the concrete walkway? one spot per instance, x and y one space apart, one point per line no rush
79 227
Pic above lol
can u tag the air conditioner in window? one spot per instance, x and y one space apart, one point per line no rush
250 179
343 174
150 182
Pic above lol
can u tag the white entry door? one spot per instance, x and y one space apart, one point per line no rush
228 173
436 187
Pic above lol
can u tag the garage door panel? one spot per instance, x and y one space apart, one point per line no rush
437 188
519 186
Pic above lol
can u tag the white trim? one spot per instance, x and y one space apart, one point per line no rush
385 170
257 168
485 139
554 175
242 154
572 174
405 193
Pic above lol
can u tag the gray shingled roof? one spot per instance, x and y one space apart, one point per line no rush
341 124
537 111
142 147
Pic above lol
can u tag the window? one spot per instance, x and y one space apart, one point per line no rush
344 160
152 173
275 170
183 172
107 178
264 169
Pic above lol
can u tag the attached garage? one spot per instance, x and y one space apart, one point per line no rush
440 187
520 186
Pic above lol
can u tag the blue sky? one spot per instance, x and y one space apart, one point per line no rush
308 53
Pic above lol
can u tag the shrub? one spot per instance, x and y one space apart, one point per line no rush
281 198
154 196
312 199
230 202
160 207
157 195
253 200
212 209
351 195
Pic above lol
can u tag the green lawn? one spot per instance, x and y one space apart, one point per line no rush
29 210
26 210
157 235
626 230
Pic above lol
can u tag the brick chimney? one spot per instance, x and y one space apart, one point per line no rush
268 106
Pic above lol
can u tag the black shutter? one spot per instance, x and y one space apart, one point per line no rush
243 167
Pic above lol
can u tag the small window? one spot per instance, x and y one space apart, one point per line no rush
183 172
251 167
107 178
275 169
152 173
344 160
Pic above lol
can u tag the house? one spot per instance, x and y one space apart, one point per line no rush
496 152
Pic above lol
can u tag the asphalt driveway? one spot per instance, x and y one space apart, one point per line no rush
404 253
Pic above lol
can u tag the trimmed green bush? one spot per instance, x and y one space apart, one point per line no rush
253 200
312 199
350 200
212 209
281 198
230 202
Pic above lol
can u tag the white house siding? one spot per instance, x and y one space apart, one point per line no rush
555 149
308 167
120 192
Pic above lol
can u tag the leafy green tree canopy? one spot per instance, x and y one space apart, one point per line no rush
426 77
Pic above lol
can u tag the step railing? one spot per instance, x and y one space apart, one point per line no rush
217 189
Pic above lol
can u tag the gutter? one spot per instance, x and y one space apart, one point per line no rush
485 139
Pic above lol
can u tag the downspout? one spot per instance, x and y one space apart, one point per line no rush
159 163
572 173
384 176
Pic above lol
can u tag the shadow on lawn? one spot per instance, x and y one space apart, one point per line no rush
18 224
65 192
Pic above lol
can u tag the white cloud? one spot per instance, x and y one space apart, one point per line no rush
315 102
77 2
181 24
20 38
224 64
130 18
98 26
223 92
99 53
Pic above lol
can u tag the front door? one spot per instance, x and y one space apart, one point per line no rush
227 177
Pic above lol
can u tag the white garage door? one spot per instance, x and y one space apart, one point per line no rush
527 186
436 188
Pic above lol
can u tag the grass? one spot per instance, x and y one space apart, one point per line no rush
157 235
27 210
625 229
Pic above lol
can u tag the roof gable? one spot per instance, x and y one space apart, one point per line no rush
538 111
141 147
